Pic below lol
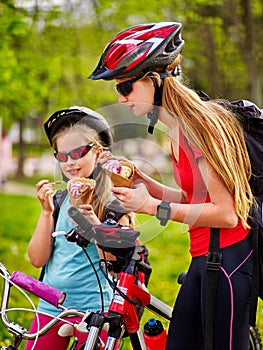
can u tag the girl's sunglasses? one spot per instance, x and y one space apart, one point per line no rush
76 153
125 88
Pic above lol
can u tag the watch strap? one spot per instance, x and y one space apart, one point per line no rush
163 212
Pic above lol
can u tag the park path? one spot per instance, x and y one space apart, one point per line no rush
17 188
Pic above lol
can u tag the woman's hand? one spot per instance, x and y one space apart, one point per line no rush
87 211
45 192
136 199
107 155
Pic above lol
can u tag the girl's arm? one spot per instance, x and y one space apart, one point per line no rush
40 246
219 212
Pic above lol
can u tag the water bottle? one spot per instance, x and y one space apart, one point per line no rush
154 335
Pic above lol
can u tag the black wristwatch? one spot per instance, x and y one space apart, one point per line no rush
163 212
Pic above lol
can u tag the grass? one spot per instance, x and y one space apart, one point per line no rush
18 217
168 253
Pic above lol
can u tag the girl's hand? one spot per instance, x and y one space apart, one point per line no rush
88 212
136 199
45 192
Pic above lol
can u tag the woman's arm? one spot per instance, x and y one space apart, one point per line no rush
219 212
40 246
160 191
156 189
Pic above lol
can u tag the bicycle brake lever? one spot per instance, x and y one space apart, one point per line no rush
58 233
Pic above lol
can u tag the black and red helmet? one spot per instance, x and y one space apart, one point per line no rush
139 48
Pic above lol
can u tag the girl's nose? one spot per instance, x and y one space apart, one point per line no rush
122 98
71 160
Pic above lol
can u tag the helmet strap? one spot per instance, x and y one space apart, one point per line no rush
153 116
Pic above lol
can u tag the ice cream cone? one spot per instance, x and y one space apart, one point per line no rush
80 190
121 173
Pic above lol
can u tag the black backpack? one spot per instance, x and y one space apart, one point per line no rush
251 118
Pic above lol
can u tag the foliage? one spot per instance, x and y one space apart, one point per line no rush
47 51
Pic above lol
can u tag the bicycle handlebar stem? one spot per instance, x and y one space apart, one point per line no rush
127 294
95 323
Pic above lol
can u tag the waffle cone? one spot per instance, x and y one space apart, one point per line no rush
85 192
120 181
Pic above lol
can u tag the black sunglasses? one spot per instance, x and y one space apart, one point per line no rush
76 153
125 88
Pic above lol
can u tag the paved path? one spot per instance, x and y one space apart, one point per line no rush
17 188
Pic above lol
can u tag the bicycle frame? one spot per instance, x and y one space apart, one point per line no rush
119 315
122 310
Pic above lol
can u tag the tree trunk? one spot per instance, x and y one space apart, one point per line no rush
250 56
21 150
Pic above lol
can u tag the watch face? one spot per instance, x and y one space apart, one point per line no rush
162 213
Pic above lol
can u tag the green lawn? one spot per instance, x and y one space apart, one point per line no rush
168 253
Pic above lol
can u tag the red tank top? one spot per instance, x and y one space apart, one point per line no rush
189 178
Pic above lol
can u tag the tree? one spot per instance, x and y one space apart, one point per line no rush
47 52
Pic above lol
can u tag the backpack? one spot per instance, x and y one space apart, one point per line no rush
251 119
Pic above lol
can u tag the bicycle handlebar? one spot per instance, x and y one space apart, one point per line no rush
86 226
50 294
55 297
109 235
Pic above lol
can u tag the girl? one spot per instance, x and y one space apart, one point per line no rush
78 136
211 167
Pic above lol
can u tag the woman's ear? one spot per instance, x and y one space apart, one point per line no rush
157 76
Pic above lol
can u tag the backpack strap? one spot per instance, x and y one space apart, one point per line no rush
254 223
260 246
58 199
213 263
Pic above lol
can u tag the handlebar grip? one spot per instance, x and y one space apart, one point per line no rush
76 215
50 294
145 268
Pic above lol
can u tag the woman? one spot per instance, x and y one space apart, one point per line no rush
211 167
78 136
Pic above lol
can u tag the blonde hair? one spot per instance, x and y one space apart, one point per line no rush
217 133
102 194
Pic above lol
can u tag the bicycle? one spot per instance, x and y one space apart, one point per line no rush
128 293
122 314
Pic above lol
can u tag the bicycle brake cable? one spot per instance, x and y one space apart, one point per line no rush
97 277
114 286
